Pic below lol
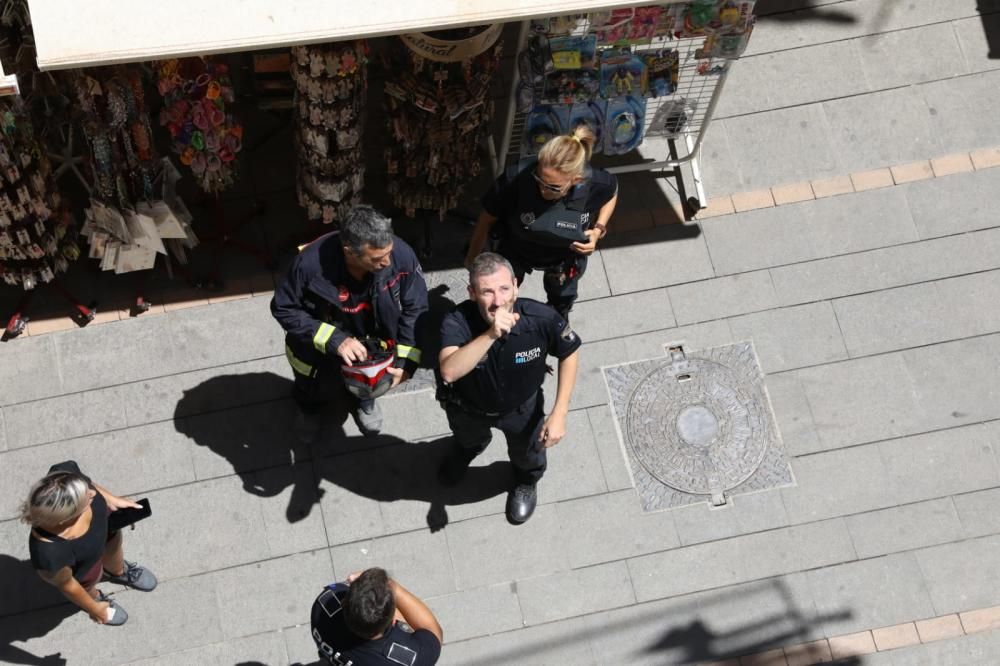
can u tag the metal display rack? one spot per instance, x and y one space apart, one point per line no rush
700 82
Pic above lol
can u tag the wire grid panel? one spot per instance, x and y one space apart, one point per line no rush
698 82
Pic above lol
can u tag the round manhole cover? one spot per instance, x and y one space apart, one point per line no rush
702 431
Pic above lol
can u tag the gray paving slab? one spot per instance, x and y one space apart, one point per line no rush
202 391
609 527
125 461
820 72
32 366
956 110
266 648
574 593
477 612
823 543
420 561
348 515
722 297
573 469
285 497
242 439
898 58
878 592
64 417
962 576
590 389
888 267
792 414
905 527
648 633
743 514
809 230
272 594
881 129
952 388
627 314
972 650
786 338
299 645
791 143
678 255
159 623
953 204
721 170
838 483
936 464
486 551
552 643
975 46
3 431
977 512
609 448
164 543
920 314
861 400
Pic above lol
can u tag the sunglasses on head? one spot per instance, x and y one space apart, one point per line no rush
551 188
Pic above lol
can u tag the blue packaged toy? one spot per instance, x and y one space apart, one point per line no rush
623 124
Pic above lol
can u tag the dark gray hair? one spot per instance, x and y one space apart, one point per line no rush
363 225
488 263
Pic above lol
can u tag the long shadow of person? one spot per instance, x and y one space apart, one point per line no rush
258 441
29 608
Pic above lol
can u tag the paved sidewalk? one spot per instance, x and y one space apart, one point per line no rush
874 316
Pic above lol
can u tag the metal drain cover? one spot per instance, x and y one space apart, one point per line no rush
696 427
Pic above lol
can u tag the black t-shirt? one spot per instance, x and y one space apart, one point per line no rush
400 646
79 554
514 368
515 200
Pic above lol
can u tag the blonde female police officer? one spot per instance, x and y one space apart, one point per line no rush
552 210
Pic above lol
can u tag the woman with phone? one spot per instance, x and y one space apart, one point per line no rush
71 545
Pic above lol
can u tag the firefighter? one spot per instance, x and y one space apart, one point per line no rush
345 290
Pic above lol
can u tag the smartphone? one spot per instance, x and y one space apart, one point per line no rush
129 516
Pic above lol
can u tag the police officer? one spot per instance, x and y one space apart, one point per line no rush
359 282
494 348
374 621
552 212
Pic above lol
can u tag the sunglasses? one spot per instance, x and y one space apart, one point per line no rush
558 189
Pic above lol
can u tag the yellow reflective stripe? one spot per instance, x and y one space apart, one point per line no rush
409 353
298 366
322 336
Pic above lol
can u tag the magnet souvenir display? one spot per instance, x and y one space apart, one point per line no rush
331 83
438 114
35 238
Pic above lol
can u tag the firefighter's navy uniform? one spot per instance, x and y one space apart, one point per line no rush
320 305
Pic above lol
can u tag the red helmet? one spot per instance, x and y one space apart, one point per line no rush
370 378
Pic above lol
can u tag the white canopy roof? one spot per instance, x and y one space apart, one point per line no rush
74 33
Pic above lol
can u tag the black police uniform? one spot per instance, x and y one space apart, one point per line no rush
504 390
518 205
337 645
320 305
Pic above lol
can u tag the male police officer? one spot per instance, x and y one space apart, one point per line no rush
493 362
374 621
360 282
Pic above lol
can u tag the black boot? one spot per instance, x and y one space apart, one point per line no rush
521 503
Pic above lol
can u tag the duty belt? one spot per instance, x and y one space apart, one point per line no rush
449 396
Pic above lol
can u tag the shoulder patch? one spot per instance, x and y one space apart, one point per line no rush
567 333
401 655
329 602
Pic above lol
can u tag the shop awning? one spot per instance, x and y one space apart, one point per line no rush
74 33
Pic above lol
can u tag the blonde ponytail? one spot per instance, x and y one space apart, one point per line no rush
569 153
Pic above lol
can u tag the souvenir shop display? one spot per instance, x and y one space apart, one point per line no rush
331 90
125 169
610 68
35 238
438 114
206 137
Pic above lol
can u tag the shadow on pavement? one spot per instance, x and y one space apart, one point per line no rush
702 627
989 13
802 10
22 590
259 442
